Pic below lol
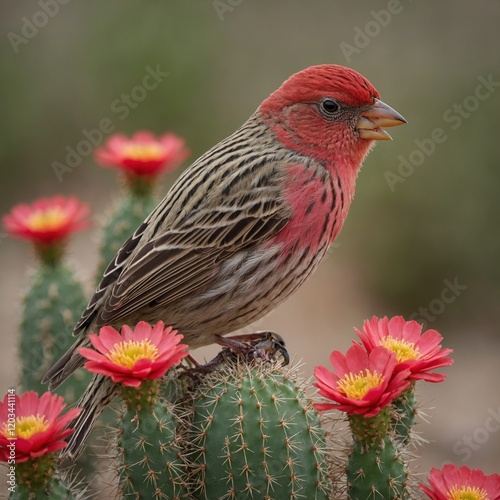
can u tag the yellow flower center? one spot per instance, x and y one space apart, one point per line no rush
26 426
129 352
356 386
143 152
467 493
401 348
43 220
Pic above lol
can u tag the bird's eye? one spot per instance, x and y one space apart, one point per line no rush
330 106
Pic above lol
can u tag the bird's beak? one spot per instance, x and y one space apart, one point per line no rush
376 116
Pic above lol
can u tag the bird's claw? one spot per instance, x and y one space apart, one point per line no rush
268 346
261 345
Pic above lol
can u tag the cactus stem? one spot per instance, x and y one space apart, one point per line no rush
140 398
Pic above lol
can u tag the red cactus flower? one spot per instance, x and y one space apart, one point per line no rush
456 483
363 383
47 220
132 356
34 424
143 155
419 352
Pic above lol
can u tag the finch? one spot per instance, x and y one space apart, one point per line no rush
243 227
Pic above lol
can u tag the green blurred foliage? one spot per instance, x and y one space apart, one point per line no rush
223 57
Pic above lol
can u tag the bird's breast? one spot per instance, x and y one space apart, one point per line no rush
317 205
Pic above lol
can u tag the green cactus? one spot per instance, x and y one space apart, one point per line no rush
51 306
377 472
375 467
150 462
35 480
121 223
404 416
54 490
255 435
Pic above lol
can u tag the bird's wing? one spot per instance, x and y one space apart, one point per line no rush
182 261
179 258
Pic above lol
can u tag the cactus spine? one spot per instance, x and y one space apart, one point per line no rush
255 435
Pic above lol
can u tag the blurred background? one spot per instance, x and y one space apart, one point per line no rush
422 238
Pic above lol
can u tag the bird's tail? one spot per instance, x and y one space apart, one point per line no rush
66 365
94 400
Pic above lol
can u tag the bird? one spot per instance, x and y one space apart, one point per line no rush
242 227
